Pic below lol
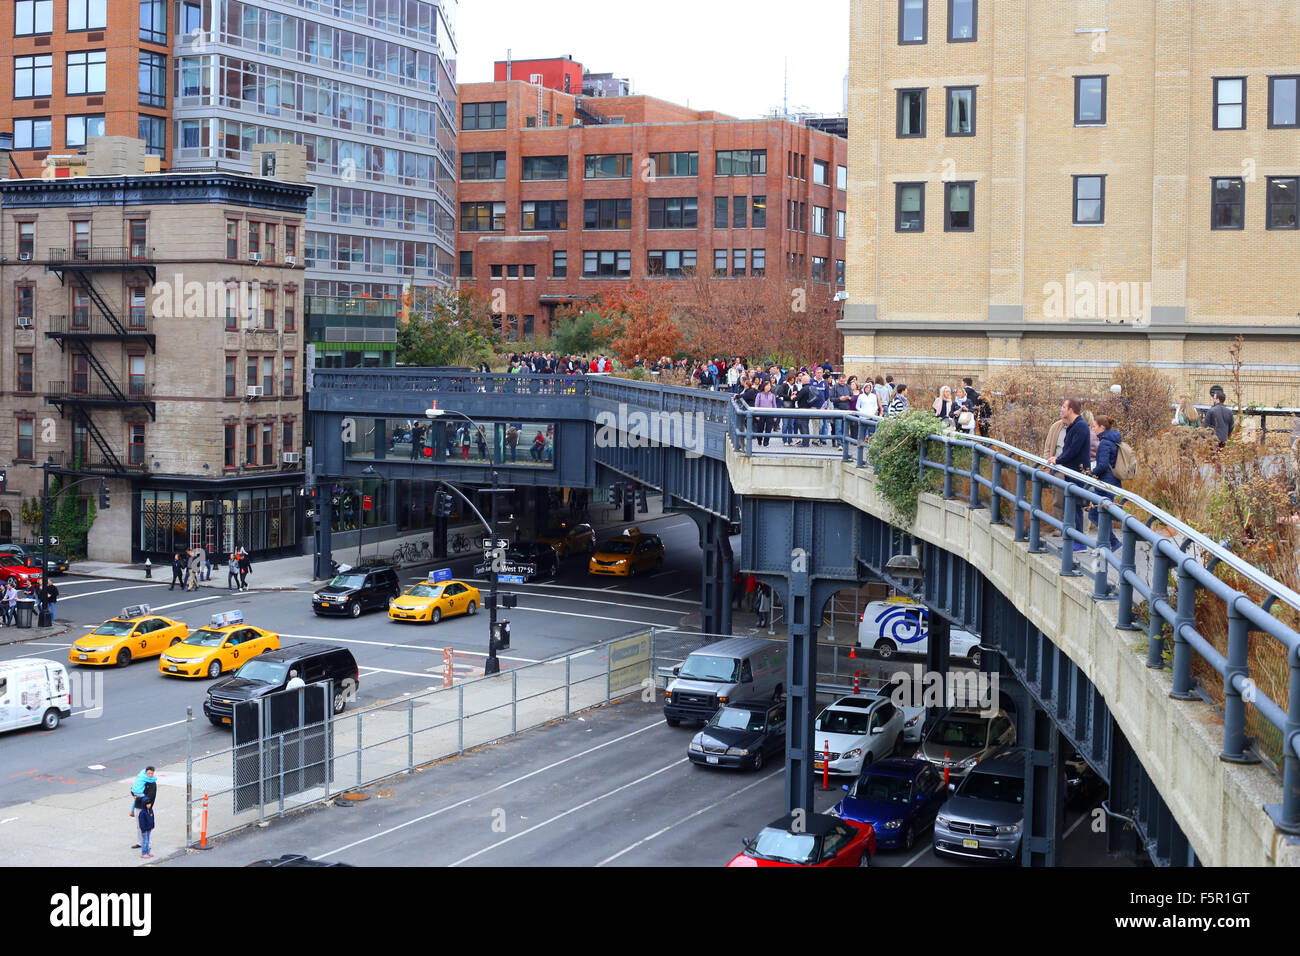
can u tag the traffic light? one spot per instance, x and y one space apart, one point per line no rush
642 504
4 481
616 494
103 495
443 504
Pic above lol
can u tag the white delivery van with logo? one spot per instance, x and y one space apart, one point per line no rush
33 693
902 625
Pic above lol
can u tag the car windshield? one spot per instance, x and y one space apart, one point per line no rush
348 581
843 721
264 672
992 786
206 638
776 844
113 629
425 590
736 718
882 789
705 667
618 546
960 732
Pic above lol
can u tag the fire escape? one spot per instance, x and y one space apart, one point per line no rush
80 334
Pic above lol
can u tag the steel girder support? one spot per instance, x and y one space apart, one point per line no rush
1044 790
718 564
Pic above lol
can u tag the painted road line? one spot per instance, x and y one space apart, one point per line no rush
590 617
629 607
488 793
581 806
129 587
690 816
423 675
918 856
573 587
682 591
133 733
44 644
1073 826
7 820
164 607
412 647
66 583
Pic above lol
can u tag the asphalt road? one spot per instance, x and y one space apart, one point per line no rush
611 787
138 715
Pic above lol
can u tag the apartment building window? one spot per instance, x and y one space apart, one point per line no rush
720 262
758 212
482 217
819 269
608 166
963 16
1282 208
268 242
551 214
286 436
137 315
33 76
26 240
758 262
135 445
841 177
674 164
268 309
542 168
32 133
529 271
1229 203
232 316
1089 200
911 21
78 128
483 116
230 446
153 79
803 217
909 207
821 220
1230 102
607 262
466 270
841 224
290 311
231 377
191 17
153 130
512 272
482 166
670 262
739 258
1283 96
81 239
87 72
291 241
80 375
911 114
497 272
839 272
288 376
87 14
80 309
254 239
961 111
821 173
559 264
25 297
250 369
803 166
250 444
33 16
26 439
739 212
232 239
740 162
136 375
721 212
674 213
153 21
1090 101
959 207
268 375
607 214
26 369
138 233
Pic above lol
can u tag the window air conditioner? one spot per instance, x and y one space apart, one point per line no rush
24 321
289 458
291 260
254 391
254 257
24 257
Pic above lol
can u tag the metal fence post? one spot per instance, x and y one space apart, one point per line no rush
995 491
189 777
1019 517
410 734
609 675
947 470
1100 581
1291 754
261 763
1035 522
301 751
973 499
1127 563
358 719
1156 623
460 720
1186 617
514 701
1234 705
1070 516
568 679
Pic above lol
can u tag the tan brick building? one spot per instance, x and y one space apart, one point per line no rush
1075 183
152 331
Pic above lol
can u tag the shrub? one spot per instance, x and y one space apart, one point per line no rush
895 453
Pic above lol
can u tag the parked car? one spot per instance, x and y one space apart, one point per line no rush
295 859
718 673
34 692
31 553
901 625
570 539
855 731
627 554
357 590
430 601
964 737
226 643
985 818
898 797
16 569
133 634
743 733
1082 784
901 688
812 839
269 673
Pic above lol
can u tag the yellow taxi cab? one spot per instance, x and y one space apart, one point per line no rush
569 539
133 633
225 644
627 554
431 601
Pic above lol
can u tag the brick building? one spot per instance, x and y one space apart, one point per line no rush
1075 183
156 340
561 195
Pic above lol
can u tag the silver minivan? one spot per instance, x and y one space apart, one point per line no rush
728 670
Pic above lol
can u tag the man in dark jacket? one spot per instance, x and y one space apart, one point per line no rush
1076 454
806 398
245 568
1219 417
49 597
178 572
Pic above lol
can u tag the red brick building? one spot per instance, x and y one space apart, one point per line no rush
559 196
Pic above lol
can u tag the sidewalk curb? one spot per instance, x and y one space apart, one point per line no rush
31 634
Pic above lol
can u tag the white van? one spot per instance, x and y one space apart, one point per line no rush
901 624
732 669
33 692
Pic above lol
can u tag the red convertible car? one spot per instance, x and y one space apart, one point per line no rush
18 570
811 839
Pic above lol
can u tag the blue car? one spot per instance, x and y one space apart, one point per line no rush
899 797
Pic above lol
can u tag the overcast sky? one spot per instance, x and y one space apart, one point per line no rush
717 54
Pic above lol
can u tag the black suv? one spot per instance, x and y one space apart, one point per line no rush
268 673
357 590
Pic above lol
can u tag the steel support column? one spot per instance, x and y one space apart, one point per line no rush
324 530
1044 792
715 605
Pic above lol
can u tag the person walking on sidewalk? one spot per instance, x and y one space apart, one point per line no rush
195 564
245 569
1074 457
10 603
178 572
144 816
49 596
232 571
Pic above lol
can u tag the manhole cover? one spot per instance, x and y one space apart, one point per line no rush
353 797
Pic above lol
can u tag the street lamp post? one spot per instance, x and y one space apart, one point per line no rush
45 518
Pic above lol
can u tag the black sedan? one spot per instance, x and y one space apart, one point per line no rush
742 733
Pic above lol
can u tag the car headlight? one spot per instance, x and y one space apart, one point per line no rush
1011 828
695 747
942 821
919 755
315 597
968 763
913 721
737 752
891 825
855 752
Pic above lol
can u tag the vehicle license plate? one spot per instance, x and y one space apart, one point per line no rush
971 844
81 657
172 668
711 759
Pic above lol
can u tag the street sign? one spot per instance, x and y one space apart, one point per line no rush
442 574
510 578
53 540
365 502
501 543
507 568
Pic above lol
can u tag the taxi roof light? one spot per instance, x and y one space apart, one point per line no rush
135 610
227 618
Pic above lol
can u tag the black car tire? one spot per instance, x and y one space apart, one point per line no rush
435 616
214 669
885 648
758 761
50 719
354 608
340 703
865 859
974 658
123 657
672 721
472 609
